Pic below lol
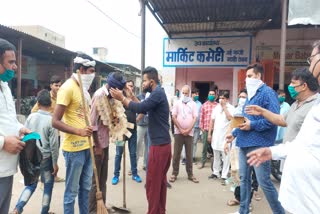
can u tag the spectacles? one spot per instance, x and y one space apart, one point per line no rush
309 59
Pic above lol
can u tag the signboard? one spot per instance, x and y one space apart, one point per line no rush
222 51
296 56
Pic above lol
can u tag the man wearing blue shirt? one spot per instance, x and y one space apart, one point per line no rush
254 133
284 108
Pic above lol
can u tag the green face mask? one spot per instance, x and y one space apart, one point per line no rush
196 98
281 99
211 98
7 75
292 91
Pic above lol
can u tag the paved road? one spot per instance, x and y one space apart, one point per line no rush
185 197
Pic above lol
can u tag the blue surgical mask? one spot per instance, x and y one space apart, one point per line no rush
7 75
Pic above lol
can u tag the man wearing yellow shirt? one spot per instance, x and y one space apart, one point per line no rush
75 145
55 84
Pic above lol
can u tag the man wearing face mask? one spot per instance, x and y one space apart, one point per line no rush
132 141
299 189
75 144
184 115
256 132
221 117
205 118
157 107
11 130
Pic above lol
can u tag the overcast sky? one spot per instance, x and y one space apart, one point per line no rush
85 27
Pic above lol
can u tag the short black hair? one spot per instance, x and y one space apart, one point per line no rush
55 79
305 76
77 66
257 68
195 91
151 73
5 46
225 93
130 81
243 91
44 98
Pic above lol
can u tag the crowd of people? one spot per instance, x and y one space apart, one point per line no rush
240 139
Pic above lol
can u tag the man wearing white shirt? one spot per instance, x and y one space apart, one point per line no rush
299 189
221 116
11 130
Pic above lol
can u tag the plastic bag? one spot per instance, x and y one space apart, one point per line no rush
30 159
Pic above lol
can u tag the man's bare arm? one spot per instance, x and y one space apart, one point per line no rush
61 126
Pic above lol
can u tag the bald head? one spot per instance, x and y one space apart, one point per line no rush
186 91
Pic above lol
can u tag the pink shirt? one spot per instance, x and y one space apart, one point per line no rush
185 113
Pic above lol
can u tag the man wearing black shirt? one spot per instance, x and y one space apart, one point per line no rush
159 159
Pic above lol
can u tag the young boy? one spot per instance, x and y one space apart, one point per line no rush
40 122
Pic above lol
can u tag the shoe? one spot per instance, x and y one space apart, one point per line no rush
212 176
115 180
169 185
136 178
183 162
223 182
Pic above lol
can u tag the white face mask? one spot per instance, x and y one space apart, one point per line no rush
185 99
252 86
86 80
242 101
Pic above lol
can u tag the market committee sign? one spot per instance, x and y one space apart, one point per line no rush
222 51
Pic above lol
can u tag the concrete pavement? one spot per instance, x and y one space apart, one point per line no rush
185 197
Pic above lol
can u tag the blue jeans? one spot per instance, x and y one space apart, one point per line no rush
47 178
78 180
132 145
264 180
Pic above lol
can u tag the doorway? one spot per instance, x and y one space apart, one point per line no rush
203 90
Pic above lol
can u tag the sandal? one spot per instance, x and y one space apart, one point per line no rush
173 178
233 202
193 179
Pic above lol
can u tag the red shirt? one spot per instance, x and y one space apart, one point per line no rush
205 114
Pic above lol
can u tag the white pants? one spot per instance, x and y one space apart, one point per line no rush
217 163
